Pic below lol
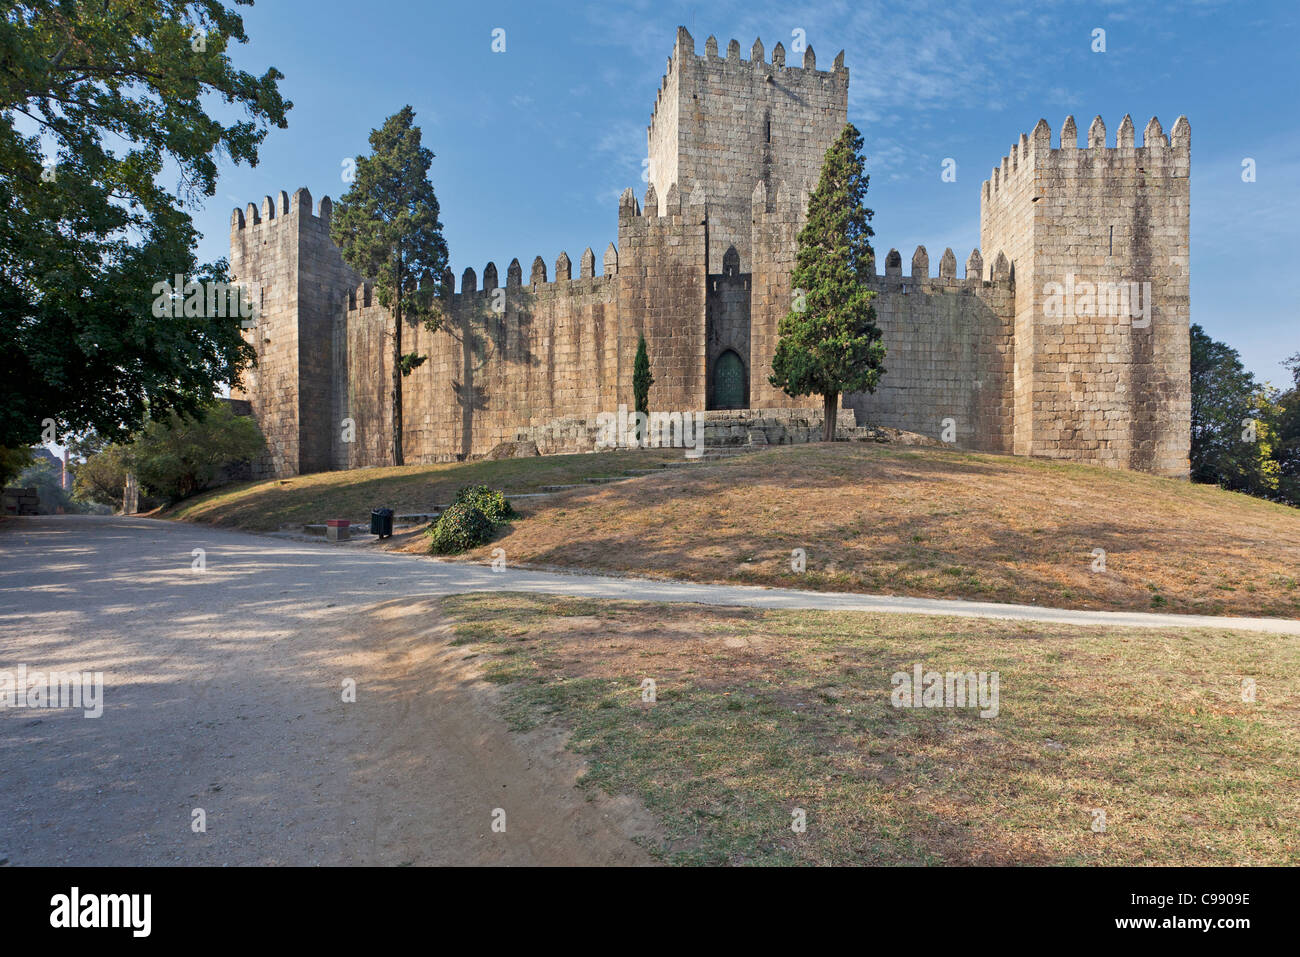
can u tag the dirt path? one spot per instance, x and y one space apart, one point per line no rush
223 691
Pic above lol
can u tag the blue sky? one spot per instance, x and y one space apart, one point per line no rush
534 144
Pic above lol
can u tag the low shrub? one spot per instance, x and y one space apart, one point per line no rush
491 503
461 527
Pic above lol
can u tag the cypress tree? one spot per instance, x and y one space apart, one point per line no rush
642 380
829 342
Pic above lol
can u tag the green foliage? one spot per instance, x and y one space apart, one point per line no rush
411 361
12 462
829 342
642 379
46 476
101 478
1245 436
1287 447
490 502
386 225
462 526
113 94
470 520
176 456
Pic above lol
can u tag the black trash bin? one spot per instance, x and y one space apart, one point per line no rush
381 522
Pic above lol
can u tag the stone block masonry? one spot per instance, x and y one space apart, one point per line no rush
950 345
702 268
21 501
1093 381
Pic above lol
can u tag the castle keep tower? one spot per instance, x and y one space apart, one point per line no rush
1067 336
724 124
1098 243
745 140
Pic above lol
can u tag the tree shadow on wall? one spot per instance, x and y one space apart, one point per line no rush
495 332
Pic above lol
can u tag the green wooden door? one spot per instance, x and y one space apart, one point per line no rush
729 382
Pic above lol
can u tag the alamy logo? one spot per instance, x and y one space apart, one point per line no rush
54 689
954 689
74 910
658 430
1080 298
213 300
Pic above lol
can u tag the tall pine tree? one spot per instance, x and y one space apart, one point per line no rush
387 228
830 343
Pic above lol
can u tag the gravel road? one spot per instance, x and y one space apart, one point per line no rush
223 691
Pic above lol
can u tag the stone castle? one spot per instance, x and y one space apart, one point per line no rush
1040 349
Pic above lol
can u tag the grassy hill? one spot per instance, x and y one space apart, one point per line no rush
266 506
871 518
929 522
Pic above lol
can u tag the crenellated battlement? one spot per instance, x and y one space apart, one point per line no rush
999 275
280 209
1034 151
792 72
362 297
782 203
784 206
653 208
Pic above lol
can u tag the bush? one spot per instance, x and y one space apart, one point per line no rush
461 527
101 478
46 477
12 462
470 520
180 455
491 503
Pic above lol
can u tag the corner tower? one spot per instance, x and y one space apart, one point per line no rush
1098 244
283 254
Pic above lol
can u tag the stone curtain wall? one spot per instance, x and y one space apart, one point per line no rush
363 382
325 350
1098 388
950 348
549 354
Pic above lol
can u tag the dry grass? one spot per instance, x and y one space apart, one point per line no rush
265 506
759 713
930 523
876 519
